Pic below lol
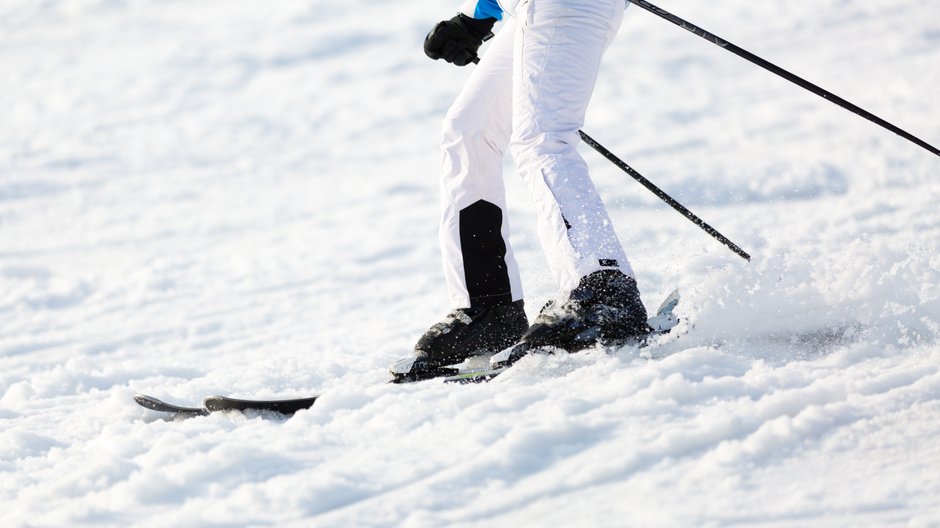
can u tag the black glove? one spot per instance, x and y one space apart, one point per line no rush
458 39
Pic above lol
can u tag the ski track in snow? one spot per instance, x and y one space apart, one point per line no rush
240 198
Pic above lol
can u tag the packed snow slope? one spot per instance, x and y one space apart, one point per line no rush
239 197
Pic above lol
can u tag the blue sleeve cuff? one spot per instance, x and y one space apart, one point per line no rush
488 9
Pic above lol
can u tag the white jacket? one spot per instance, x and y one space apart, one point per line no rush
488 8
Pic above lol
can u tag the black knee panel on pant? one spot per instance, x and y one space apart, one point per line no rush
484 254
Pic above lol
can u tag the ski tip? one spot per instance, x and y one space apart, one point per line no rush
150 402
669 303
154 404
143 400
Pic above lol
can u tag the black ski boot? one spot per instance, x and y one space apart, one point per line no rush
463 333
605 308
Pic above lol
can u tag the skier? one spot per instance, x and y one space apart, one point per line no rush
529 93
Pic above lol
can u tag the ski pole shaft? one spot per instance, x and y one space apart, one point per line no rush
773 68
658 192
663 196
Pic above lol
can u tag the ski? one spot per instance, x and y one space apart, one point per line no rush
661 323
287 407
221 403
484 375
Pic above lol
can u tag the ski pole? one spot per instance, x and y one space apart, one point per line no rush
663 196
773 68
658 192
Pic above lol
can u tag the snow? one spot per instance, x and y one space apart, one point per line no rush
237 197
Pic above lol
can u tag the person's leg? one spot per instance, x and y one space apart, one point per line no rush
558 51
481 274
479 266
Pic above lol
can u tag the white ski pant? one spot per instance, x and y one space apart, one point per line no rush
530 93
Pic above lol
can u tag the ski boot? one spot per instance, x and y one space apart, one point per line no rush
464 333
604 309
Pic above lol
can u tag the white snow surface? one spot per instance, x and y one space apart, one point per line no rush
240 197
